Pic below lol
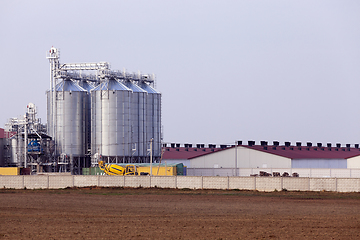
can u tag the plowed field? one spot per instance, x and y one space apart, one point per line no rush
121 213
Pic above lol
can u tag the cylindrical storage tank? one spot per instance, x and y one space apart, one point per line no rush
110 120
153 118
88 86
71 127
137 121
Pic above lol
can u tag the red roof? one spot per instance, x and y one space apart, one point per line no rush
303 152
186 153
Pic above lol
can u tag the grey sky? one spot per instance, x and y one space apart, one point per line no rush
227 70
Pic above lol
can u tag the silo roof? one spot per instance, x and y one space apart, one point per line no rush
68 85
111 85
148 88
133 87
86 85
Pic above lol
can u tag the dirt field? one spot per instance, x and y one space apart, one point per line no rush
118 213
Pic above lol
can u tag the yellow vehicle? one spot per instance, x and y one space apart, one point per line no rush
114 169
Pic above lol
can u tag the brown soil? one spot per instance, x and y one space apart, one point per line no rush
121 213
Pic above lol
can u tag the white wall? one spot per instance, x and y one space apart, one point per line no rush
246 183
353 162
246 158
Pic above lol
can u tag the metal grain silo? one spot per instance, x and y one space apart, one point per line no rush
110 120
152 117
137 121
70 125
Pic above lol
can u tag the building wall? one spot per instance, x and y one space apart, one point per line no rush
319 163
353 162
246 158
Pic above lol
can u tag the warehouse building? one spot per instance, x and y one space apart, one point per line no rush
281 156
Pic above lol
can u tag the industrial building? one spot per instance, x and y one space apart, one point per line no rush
228 160
93 113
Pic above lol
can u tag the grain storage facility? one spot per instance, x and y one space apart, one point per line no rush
97 113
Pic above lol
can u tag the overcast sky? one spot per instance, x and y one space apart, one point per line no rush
227 70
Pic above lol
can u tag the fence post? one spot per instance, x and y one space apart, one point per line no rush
254 182
336 184
175 181
202 182
228 184
48 184
282 186
98 182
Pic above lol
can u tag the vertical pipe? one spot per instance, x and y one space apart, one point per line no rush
151 142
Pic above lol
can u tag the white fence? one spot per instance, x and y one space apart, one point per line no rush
303 172
203 182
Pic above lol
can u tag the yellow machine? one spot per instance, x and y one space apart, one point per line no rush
114 169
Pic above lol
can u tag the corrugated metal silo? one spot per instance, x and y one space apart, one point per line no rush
137 121
71 126
110 120
153 117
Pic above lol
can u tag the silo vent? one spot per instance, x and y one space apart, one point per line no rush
309 144
251 143
198 145
329 145
357 145
223 146
338 145
173 145
319 145
276 143
287 144
263 143
190 145
348 145
202 145
239 142
298 144
178 145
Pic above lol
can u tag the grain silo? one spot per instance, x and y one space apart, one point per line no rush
152 117
137 121
70 124
110 121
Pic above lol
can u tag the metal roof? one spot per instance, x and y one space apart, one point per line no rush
301 152
148 88
305 152
133 87
186 153
68 85
111 84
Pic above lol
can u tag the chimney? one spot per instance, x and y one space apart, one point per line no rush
202 145
276 143
190 145
178 145
338 145
223 146
309 144
251 143
198 145
319 145
239 142
356 145
186 145
263 143
329 145
298 144
172 145
165 145
348 145
287 144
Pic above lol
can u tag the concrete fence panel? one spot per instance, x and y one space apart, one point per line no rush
296 184
16 182
189 182
243 183
56 182
86 180
163 181
138 181
36 182
268 183
355 173
322 184
348 185
111 181
215 182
